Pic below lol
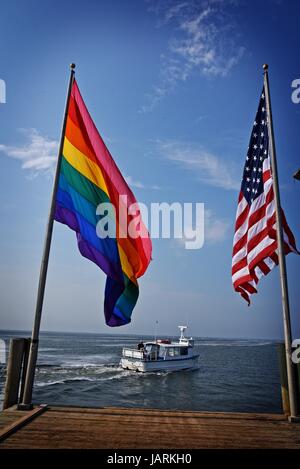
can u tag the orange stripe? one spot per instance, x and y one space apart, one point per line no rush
76 137
131 253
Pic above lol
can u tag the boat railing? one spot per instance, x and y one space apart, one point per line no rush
132 353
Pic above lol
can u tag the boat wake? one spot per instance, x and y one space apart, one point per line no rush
53 375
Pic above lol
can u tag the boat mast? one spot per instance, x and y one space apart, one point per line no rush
182 329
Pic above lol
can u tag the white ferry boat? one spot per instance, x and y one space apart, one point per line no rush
161 355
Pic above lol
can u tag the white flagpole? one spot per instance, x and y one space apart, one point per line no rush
292 386
33 351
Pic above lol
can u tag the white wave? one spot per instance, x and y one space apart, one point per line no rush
75 365
233 344
88 361
64 381
48 349
116 376
118 344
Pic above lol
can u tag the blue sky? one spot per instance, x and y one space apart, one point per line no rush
167 83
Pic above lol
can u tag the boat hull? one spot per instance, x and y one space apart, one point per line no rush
159 365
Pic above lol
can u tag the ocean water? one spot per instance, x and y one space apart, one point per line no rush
83 370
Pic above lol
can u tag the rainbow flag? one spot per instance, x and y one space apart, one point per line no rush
88 177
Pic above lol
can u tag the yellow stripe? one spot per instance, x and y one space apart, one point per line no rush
126 267
84 165
93 172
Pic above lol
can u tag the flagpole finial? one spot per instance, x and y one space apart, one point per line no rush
72 66
265 67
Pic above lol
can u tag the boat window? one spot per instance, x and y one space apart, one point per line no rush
171 351
183 351
176 351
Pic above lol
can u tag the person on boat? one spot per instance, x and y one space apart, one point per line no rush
141 345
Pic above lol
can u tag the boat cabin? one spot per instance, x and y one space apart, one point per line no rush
162 350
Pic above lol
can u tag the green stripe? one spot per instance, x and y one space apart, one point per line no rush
81 184
131 291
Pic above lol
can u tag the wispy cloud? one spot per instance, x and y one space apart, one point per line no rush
204 41
215 230
138 184
38 154
206 167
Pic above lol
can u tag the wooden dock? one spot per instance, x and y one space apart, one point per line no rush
120 428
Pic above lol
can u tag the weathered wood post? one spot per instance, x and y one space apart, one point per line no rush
18 349
25 363
283 379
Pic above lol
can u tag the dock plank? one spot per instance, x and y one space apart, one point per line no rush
112 427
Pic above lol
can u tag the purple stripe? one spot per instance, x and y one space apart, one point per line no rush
68 218
113 291
115 321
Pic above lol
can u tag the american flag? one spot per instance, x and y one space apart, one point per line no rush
255 244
